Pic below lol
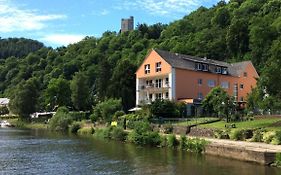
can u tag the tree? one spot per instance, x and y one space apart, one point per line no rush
164 108
105 110
80 91
58 93
123 83
24 100
218 102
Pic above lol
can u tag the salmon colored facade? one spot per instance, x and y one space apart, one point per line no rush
176 77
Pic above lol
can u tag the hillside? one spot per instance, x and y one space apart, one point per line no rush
234 31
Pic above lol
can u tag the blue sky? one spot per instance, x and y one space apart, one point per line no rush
61 22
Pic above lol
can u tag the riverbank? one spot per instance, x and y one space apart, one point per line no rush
261 153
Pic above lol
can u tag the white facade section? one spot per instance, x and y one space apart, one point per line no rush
137 92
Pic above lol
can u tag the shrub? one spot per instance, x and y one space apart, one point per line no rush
78 116
104 133
241 134
75 127
163 141
61 120
86 131
164 108
196 145
268 136
183 142
118 114
222 134
258 135
277 138
172 141
142 135
105 110
118 133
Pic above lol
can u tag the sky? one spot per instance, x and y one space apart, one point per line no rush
62 22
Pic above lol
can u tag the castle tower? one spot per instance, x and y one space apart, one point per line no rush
127 24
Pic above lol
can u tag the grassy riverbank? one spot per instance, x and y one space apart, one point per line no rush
27 125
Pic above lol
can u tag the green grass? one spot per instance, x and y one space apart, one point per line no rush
260 123
195 121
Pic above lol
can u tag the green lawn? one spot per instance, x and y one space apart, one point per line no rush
194 121
258 123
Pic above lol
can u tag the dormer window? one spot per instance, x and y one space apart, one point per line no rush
147 68
198 66
224 70
158 67
218 70
205 67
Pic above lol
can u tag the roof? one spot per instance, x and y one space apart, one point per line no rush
182 61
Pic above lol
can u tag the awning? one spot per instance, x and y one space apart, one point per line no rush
134 109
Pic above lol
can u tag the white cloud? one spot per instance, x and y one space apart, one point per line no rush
14 18
104 12
63 39
162 7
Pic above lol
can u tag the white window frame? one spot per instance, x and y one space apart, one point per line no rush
198 66
147 69
205 67
158 67
224 70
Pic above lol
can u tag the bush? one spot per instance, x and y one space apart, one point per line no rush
86 131
118 133
118 114
183 142
104 133
142 135
4 110
172 141
196 145
75 127
163 141
222 134
241 134
105 110
277 138
78 116
258 135
268 136
61 120
164 108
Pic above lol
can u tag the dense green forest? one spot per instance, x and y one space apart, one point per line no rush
86 73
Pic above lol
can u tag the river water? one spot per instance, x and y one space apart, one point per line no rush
41 152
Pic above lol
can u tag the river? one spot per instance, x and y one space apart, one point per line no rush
41 152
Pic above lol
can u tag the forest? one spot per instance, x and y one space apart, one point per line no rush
82 75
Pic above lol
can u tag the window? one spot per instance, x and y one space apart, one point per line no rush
167 82
158 83
241 98
150 97
224 70
149 83
218 70
158 67
159 96
225 84
147 68
205 67
200 81
167 95
211 83
241 86
198 66
200 95
245 74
